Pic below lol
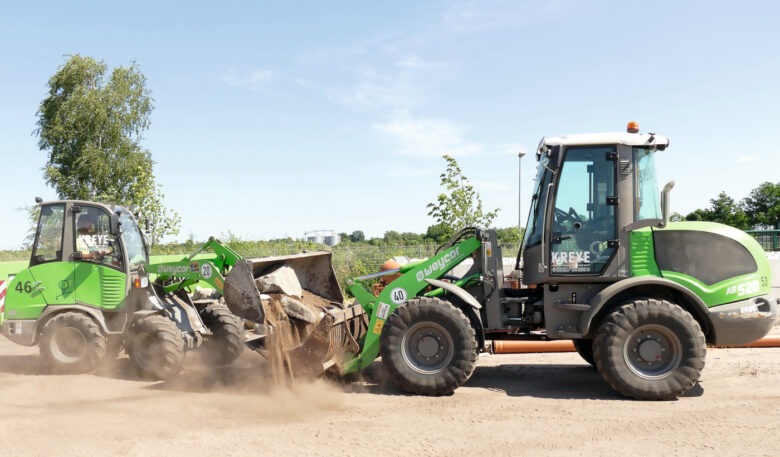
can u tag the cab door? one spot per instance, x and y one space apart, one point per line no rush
48 280
583 239
100 281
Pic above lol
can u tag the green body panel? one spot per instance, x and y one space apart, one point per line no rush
32 289
409 285
727 291
100 286
180 273
188 273
642 253
21 303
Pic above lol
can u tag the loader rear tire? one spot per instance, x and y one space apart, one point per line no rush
584 348
428 347
650 350
227 341
72 342
156 347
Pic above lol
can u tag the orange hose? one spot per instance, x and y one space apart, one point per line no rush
522 347
518 347
769 341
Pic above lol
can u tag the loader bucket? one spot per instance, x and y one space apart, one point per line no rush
314 271
306 335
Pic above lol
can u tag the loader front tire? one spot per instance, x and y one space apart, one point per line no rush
72 342
227 341
156 347
650 349
428 347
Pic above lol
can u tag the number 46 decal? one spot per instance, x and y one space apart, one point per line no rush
26 288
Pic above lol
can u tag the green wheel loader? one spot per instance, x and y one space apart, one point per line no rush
86 294
600 264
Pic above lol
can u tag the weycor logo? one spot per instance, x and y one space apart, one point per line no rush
439 265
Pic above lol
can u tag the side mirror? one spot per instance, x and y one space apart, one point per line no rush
556 157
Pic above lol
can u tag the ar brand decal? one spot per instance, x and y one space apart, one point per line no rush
398 295
744 289
438 265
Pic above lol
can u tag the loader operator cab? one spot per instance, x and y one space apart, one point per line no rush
78 245
591 190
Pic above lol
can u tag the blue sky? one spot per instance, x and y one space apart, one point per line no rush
276 118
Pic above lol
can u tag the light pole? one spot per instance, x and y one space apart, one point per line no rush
520 156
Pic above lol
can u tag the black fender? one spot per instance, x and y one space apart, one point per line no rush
700 311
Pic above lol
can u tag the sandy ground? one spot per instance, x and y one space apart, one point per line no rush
527 404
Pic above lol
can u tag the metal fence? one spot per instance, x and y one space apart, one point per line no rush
768 239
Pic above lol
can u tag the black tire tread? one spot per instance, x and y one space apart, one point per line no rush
96 343
584 348
449 378
609 357
227 342
168 342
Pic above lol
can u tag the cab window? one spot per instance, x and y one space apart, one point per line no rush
48 235
94 240
584 220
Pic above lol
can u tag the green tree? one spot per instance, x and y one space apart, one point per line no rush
722 209
459 206
357 236
762 206
91 127
509 235
438 233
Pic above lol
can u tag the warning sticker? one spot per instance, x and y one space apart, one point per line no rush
383 310
378 326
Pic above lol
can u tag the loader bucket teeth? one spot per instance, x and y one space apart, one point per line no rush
241 294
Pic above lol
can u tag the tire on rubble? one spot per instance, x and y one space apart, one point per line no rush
650 349
227 341
71 342
584 348
156 347
428 347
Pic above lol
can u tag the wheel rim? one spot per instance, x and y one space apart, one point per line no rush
427 347
652 351
144 350
68 345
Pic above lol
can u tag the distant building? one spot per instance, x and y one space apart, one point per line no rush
327 237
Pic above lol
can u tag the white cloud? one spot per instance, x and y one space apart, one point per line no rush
252 80
426 137
748 159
